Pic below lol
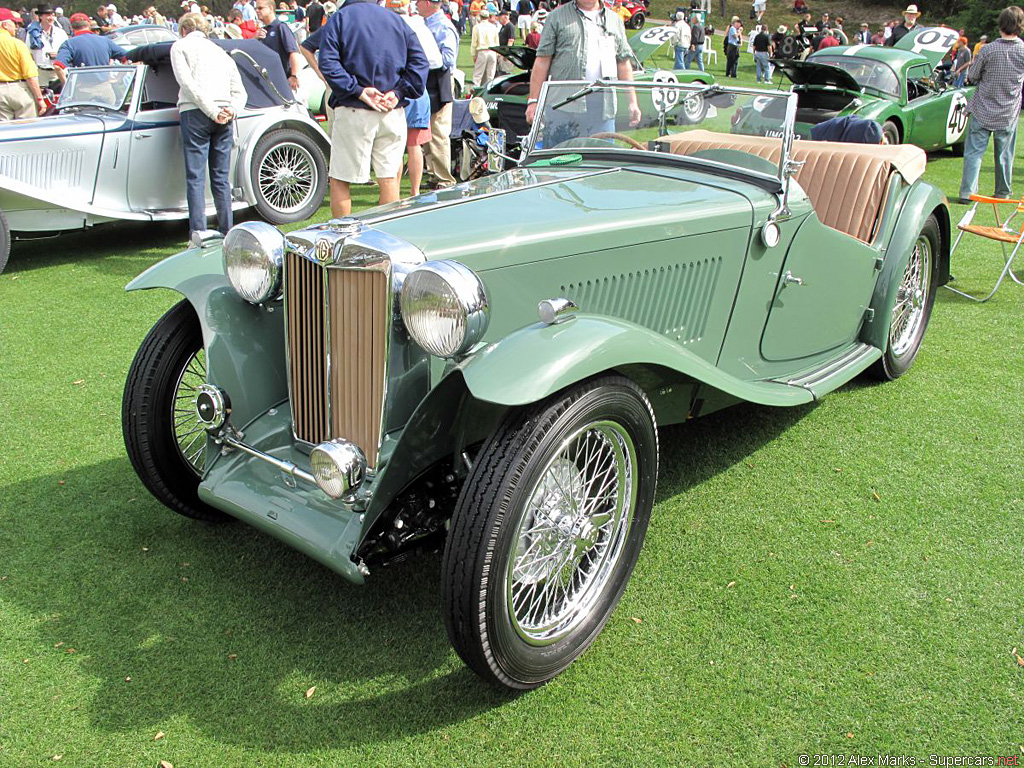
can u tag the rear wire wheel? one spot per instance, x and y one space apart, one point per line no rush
547 530
912 308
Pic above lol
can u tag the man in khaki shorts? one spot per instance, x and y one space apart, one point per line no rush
373 64
20 96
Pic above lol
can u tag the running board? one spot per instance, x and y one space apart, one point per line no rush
833 374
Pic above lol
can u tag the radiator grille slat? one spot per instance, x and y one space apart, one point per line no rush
341 355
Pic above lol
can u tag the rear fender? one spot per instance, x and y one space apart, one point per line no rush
922 200
538 360
273 122
244 343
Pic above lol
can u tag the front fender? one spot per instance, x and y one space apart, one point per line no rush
539 360
244 343
921 201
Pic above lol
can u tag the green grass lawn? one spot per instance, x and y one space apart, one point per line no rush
843 578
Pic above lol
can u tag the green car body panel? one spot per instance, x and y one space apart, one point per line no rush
923 114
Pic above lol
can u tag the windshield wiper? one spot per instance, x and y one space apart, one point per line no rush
584 91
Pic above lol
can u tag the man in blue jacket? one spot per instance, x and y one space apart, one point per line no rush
85 49
373 64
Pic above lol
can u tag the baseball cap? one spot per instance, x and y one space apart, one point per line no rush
6 14
112 7
396 4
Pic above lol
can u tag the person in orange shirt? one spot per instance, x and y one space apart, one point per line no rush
474 13
20 96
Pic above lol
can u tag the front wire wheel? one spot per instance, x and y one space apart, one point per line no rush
912 307
547 530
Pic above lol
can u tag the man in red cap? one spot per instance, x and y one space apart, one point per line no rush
20 96
85 49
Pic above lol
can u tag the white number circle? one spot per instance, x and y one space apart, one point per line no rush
656 35
956 120
664 98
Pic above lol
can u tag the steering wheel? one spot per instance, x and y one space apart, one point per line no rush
624 139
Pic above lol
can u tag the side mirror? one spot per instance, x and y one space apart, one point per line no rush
496 150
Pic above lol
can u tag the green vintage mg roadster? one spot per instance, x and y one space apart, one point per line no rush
485 368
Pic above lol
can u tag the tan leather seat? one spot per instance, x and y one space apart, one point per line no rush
846 183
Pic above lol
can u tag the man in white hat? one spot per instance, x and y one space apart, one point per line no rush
191 7
114 19
909 23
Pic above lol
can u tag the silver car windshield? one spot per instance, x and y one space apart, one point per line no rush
97 87
665 116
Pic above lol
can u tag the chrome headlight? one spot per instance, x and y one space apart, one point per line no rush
444 307
253 260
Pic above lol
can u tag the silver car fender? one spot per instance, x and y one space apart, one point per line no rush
255 128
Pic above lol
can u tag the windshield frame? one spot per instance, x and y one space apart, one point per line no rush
836 58
126 104
788 135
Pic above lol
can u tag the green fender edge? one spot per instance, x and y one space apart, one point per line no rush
538 360
921 201
244 343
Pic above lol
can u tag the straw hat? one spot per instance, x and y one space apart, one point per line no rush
911 11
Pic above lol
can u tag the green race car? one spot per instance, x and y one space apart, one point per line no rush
506 95
896 87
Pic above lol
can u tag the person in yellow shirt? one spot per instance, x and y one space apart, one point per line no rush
20 96
623 12
977 46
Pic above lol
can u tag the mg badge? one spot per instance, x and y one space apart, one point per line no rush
323 251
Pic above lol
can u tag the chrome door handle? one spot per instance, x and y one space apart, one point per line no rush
790 279
138 136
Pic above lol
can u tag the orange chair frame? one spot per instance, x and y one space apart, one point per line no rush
1003 233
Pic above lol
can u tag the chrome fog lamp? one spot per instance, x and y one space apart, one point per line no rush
339 467
444 307
253 260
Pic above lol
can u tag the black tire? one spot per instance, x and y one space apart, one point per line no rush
5 241
637 20
890 133
294 176
958 149
147 413
904 339
485 531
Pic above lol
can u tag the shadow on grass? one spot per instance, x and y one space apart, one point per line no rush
228 627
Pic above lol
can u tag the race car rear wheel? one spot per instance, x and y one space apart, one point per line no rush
637 21
912 308
165 441
890 133
5 241
289 176
547 529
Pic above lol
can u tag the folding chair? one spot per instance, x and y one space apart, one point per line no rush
1003 233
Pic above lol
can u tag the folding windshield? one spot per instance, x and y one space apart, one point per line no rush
868 74
109 88
665 116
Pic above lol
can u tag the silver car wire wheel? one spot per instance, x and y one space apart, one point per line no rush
571 536
693 108
909 312
286 177
189 431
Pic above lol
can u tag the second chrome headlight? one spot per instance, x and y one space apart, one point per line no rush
253 260
444 307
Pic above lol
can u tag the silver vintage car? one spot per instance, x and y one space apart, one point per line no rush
113 150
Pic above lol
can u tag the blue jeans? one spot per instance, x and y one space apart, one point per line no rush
763 67
206 143
694 55
974 149
680 54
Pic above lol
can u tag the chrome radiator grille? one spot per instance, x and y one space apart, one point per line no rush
337 343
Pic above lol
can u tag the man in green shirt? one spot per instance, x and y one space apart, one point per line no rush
583 40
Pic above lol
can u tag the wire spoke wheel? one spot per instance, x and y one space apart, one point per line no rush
286 177
547 529
909 312
189 431
572 532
